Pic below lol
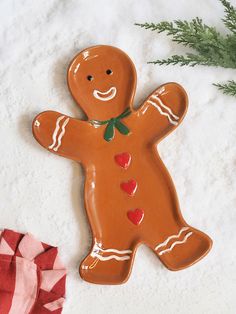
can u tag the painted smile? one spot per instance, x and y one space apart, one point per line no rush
105 96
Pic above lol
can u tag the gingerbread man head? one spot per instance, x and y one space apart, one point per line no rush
102 80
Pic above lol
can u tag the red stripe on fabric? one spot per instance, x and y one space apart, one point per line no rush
60 286
46 260
7 284
6 257
5 248
12 238
46 246
45 297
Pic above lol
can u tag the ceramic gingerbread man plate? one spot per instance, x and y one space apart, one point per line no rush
129 196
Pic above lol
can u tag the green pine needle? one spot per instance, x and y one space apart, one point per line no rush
190 59
228 88
230 16
212 48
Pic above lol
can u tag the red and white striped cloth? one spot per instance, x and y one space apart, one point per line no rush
32 278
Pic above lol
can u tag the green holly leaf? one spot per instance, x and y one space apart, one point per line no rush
121 128
109 131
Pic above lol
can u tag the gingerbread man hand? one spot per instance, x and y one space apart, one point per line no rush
163 111
129 195
60 134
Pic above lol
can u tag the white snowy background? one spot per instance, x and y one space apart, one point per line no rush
41 193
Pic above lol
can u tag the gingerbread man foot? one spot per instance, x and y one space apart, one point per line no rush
184 249
107 266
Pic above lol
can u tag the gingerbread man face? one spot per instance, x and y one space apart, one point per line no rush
129 196
102 80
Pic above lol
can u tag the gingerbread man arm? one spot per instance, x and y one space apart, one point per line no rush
163 111
61 134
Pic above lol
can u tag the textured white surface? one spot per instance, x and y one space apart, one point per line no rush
42 193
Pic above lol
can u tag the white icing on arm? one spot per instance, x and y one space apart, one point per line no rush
61 134
166 107
162 112
57 139
56 131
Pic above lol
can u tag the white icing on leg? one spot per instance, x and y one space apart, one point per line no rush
116 251
176 243
107 258
56 131
97 249
175 236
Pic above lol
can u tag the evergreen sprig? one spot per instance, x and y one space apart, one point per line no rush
228 88
230 16
190 59
212 48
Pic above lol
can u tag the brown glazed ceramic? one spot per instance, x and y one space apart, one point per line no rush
129 195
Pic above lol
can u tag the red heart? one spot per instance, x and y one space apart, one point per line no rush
123 160
129 187
136 216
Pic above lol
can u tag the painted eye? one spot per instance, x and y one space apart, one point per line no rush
108 72
89 77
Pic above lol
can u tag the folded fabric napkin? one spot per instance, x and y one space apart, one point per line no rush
32 278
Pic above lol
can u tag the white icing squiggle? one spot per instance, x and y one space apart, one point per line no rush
162 112
57 140
166 107
54 136
98 250
112 250
101 95
61 134
176 243
175 236
107 258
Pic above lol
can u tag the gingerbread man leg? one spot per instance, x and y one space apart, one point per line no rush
108 264
111 256
176 244
182 248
